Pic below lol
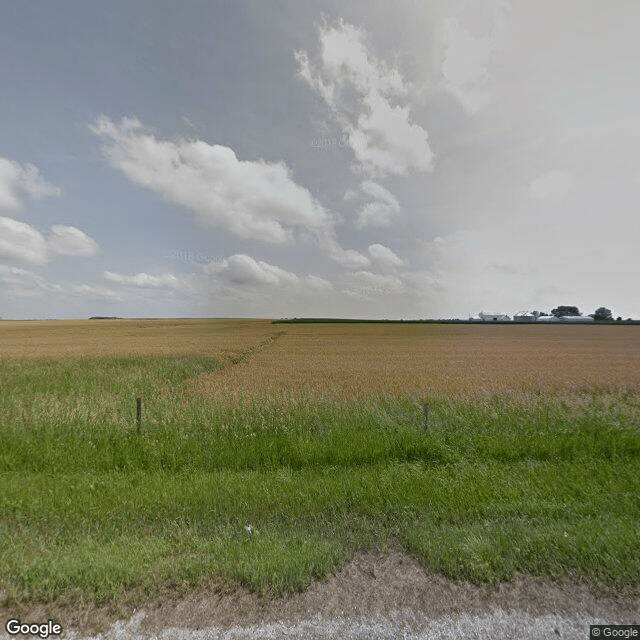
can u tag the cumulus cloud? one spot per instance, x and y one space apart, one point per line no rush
95 292
22 180
318 284
21 241
251 199
144 280
359 89
243 270
23 282
349 258
381 212
69 241
366 285
386 259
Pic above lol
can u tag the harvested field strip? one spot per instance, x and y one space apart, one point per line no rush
253 350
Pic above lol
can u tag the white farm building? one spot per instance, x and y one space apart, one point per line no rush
525 316
494 317
576 319
568 319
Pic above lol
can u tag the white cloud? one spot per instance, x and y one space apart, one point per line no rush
27 284
251 199
382 210
69 241
21 241
377 191
345 57
386 142
244 271
17 179
346 257
550 185
319 284
366 285
95 292
22 282
167 280
386 259
358 88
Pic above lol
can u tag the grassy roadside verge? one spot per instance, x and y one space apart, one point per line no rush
546 484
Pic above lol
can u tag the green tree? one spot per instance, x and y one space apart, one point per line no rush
602 313
564 310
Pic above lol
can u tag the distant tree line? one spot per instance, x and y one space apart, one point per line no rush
601 313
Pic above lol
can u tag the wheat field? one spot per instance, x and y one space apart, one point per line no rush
349 361
54 339
343 361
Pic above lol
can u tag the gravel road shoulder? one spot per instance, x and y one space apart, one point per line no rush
386 596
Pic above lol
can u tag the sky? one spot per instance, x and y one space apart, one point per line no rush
243 158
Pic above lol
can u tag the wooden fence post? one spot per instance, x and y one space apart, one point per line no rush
139 414
426 416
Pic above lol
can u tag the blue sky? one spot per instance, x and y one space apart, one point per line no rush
268 159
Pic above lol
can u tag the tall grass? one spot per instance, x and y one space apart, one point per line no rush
545 483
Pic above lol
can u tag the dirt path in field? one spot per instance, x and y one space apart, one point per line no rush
388 596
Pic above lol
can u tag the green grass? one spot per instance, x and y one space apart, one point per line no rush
546 484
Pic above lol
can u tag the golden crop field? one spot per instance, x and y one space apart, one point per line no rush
354 360
52 339
345 361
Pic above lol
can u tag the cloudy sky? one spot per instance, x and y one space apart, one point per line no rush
251 158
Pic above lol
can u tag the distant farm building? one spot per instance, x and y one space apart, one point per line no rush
493 317
576 319
524 316
569 319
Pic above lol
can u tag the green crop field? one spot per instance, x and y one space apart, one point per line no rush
269 454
